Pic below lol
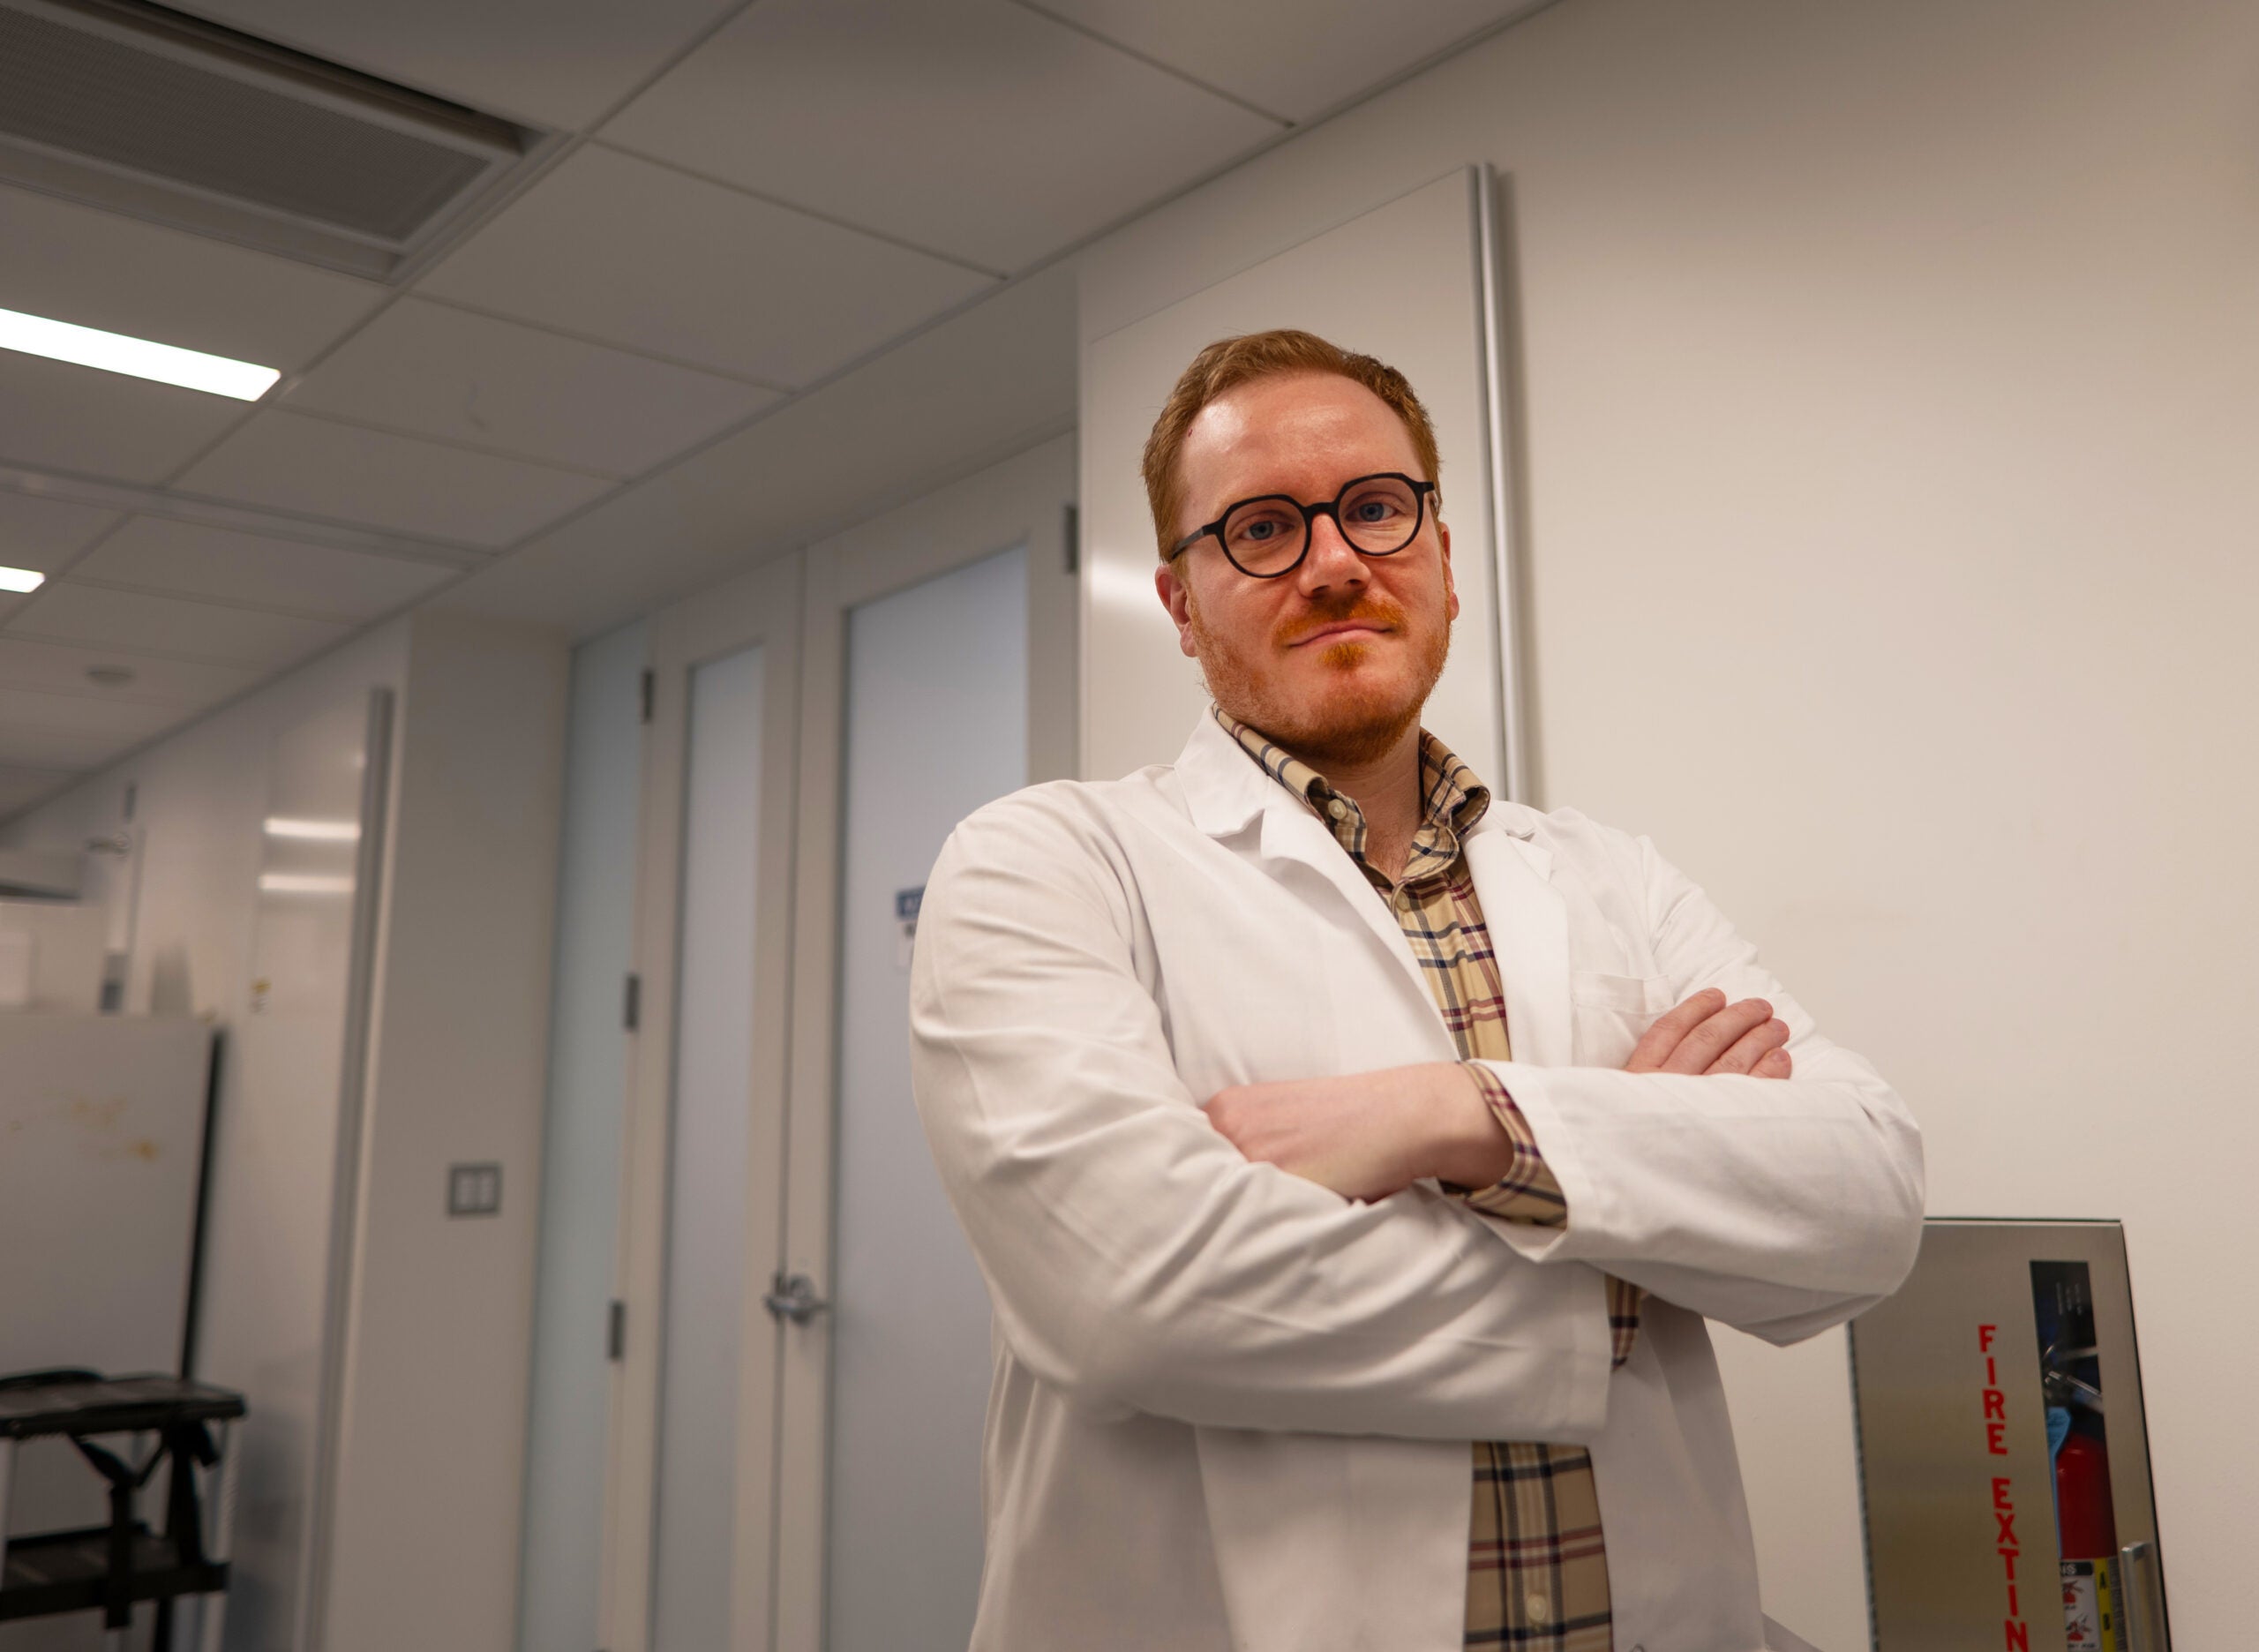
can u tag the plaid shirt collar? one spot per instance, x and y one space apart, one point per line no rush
1452 800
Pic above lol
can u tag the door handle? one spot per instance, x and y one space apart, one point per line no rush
793 1297
2140 1606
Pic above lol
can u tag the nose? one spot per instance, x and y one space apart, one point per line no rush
1332 563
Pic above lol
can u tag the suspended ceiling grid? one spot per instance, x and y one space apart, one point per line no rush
778 275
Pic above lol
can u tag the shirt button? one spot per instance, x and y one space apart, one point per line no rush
1403 900
1338 809
1540 1608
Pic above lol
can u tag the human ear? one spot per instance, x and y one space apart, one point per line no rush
1178 600
1451 586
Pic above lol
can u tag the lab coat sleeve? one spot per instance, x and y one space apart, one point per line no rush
1779 1206
1134 1259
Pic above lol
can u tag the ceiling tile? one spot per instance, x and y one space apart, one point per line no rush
555 63
59 748
438 371
1296 58
189 560
62 666
103 424
89 713
974 127
44 533
986 384
639 255
72 263
94 615
319 468
20 788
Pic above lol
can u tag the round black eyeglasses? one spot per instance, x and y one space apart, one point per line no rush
1267 538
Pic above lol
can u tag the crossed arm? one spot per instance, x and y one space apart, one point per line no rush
1369 1135
1139 1257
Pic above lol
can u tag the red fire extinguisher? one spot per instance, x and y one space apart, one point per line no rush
2088 1528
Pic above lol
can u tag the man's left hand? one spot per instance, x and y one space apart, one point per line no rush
1365 1135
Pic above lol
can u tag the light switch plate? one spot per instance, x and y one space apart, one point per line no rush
474 1190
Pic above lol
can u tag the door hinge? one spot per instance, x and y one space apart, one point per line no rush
615 1335
1071 533
631 1010
650 691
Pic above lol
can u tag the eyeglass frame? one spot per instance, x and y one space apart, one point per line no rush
1421 492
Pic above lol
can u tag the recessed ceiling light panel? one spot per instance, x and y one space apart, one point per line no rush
114 352
21 579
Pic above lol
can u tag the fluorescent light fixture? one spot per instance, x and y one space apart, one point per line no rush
303 883
313 831
113 352
21 579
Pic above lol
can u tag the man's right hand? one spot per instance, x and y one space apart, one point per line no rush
1706 1035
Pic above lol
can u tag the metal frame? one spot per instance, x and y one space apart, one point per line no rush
759 608
942 533
1493 322
212 1614
797 609
1911 1402
345 1205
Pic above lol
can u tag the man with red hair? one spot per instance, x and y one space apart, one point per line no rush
1353 1158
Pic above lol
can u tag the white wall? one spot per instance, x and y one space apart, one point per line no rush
430 1475
432 1448
1887 434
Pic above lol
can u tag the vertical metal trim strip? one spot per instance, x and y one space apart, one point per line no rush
346 1202
1505 559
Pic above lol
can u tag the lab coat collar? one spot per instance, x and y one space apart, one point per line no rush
1226 792
1225 789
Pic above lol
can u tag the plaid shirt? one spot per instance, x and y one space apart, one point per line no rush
1536 1569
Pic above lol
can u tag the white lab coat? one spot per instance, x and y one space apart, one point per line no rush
1230 1408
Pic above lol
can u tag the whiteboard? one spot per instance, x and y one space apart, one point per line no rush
1404 283
101 1143
101 1137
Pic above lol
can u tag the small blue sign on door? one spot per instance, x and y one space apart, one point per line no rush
907 903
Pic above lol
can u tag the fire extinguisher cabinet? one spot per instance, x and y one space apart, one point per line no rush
2004 1463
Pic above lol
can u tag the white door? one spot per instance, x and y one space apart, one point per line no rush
797 1418
689 1537
937 721
939 676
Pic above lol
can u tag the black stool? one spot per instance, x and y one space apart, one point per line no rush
113 1568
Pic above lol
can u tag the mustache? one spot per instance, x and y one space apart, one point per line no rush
1373 610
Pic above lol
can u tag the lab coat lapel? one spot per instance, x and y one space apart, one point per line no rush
1226 792
1293 835
1529 930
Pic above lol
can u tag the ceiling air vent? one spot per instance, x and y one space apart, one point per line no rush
140 109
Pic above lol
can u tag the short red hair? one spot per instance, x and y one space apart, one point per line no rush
1230 363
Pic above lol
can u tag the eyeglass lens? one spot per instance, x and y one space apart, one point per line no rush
1378 515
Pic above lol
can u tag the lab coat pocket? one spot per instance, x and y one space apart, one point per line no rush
1608 1014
